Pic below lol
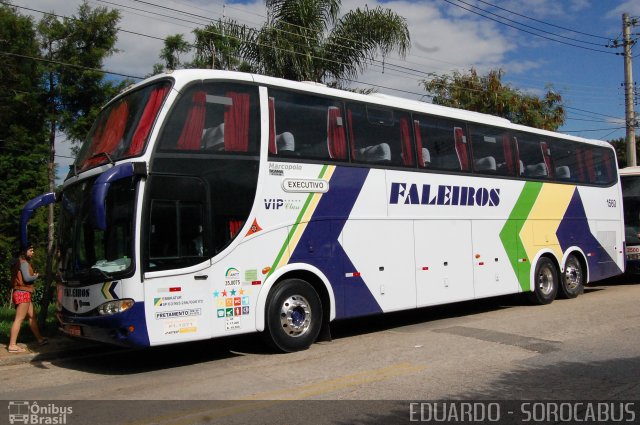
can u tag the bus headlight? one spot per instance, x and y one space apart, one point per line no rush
115 306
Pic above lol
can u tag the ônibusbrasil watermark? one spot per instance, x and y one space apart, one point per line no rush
28 412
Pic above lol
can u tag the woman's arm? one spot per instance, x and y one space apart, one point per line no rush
27 277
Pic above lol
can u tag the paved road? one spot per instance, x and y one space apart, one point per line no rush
497 349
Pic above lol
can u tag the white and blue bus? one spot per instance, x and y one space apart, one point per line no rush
210 203
630 181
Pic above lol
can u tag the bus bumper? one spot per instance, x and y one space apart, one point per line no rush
126 329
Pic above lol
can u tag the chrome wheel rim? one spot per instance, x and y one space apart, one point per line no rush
572 274
545 280
295 316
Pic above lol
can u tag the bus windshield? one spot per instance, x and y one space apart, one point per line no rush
88 253
123 127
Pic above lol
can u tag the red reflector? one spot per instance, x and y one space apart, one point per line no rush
256 282
356 274
425 268
481 264
178 289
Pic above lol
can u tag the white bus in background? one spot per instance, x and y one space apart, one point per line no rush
630 181
210 203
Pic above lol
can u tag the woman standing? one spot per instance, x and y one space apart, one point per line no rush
22 280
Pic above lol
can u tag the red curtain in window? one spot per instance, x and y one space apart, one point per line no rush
234 227
407 149
608 165
508 155
191 136
236 123
461 148
352 137
336 139
588 159
546 154
581 167
108 137
273 149
416 130
148 116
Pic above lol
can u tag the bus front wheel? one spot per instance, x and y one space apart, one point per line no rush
572 282
545 283
293 316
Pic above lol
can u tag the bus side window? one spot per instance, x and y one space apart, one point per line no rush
530 154
305 126
213 118
436 142
380 135
565 158
491 151
604 165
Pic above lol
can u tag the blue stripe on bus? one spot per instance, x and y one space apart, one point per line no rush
574 231
321 237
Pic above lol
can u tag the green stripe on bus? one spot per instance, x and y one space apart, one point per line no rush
510 233
295 225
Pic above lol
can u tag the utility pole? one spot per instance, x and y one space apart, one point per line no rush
630 119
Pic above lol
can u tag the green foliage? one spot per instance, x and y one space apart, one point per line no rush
7 314
219 46
23 143
301 40
174 46
76 94
307 40
38 98
487 94
620 145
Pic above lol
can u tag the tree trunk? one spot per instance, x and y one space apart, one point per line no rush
48 276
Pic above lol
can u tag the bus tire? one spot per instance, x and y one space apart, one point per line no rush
572 282
545 282
293 316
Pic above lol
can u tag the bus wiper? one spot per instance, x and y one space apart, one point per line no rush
101 272
111 161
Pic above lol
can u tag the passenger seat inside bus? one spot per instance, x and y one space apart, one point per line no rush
213 138
536 170
563 172
488 163
375 153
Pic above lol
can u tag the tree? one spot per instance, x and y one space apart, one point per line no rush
75 88
487 94
23 143
307 40
174 46
620 145
219 46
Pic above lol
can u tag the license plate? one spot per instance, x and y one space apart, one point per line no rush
74 330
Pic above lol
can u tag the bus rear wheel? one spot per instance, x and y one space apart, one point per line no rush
545 283
572 282
293 316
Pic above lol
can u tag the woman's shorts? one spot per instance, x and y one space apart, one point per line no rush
20 297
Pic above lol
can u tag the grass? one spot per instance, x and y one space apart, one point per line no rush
7 314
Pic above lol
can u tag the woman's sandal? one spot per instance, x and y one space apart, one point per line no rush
16 349
43 341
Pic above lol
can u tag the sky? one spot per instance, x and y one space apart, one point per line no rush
538 44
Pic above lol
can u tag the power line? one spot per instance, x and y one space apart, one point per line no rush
526 31
372 63
529 26
543 22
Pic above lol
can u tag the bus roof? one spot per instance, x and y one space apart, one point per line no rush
184 76
630 171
